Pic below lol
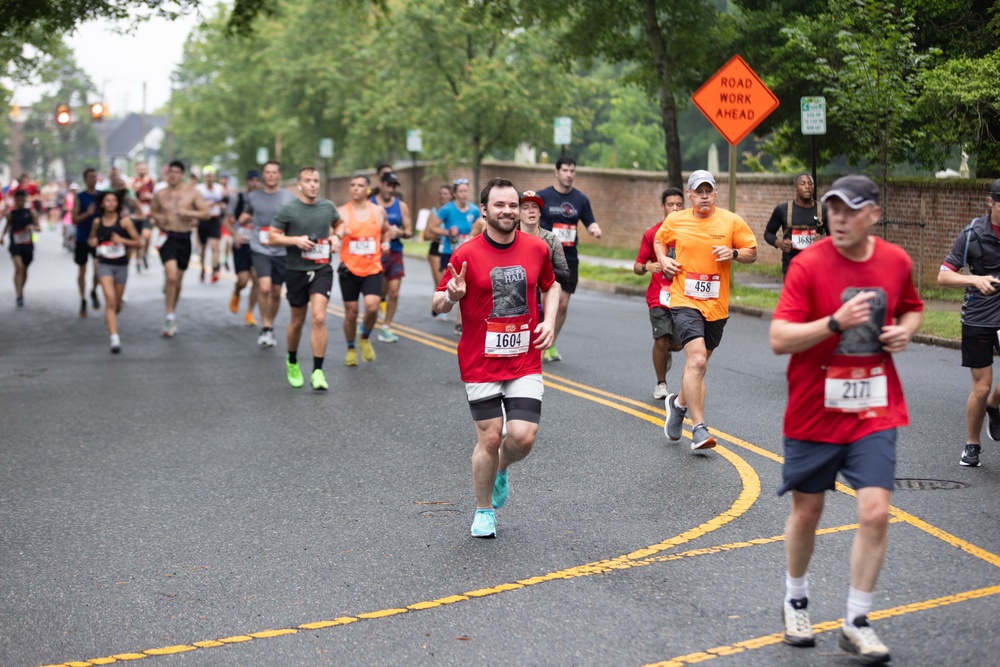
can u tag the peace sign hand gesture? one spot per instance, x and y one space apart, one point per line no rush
456 286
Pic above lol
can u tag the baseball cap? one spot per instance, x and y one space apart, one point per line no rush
390 177
208 169
854 190
995 190
253 173
74 186
529 195
698 177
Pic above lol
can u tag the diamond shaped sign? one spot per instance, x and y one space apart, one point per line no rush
735 100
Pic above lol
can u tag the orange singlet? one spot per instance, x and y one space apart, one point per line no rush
361 251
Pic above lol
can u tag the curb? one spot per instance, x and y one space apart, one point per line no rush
626 290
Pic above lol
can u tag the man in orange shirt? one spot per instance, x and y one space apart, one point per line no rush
366 234
706 239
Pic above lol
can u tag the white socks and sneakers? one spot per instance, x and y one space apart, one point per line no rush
798 629
856 635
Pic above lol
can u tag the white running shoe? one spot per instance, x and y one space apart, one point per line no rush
798 629
861 640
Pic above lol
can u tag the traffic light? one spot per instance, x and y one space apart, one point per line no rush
98 111
62 114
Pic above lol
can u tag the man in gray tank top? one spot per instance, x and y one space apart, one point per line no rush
268 261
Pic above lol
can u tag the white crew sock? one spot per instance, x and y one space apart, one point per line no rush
859 603
115 340
796 588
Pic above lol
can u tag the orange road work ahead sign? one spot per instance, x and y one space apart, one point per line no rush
735 100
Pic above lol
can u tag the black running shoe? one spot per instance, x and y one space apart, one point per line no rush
970 457
993 423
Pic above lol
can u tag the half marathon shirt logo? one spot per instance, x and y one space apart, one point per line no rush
510 291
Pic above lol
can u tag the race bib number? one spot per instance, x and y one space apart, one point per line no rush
110 250
22 237
702 286
508 336
320 252
245 232
863 390
145 209
459 240
802 238
264 235
214 210
665 297
362 246
564 232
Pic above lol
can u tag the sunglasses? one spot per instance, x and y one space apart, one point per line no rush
461 181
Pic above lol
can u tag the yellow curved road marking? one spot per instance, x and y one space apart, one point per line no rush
750 492
770 640
748 495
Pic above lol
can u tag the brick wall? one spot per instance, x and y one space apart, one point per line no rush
626 203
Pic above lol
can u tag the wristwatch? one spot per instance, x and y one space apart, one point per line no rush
736 253
833 325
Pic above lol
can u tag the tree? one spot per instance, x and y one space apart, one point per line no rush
786 39
872 80
75 145
631 137
960 106
666 41
468 75
472 76
235 94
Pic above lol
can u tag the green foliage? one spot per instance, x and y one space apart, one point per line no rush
871 79
632 136
663 42
959 105
475 81
76 144
789 39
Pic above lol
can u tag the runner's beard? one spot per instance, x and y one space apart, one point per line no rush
504 225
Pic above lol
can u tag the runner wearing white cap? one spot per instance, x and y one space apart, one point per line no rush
707 240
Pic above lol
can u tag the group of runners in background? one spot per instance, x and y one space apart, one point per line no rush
510 264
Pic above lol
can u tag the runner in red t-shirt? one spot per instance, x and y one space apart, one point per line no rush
142 186
847 304
499 353
658 293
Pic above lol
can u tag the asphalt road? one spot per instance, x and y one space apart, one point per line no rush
180 504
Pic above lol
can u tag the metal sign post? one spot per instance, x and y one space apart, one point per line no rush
414 144
563 132
813 121
326 152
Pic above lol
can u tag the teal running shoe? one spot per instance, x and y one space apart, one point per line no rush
387 335
484 524
500 490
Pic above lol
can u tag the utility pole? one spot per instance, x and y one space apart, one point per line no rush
142 126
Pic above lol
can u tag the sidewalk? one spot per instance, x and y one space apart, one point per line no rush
759 282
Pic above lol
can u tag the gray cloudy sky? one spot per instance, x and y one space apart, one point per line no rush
118 64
